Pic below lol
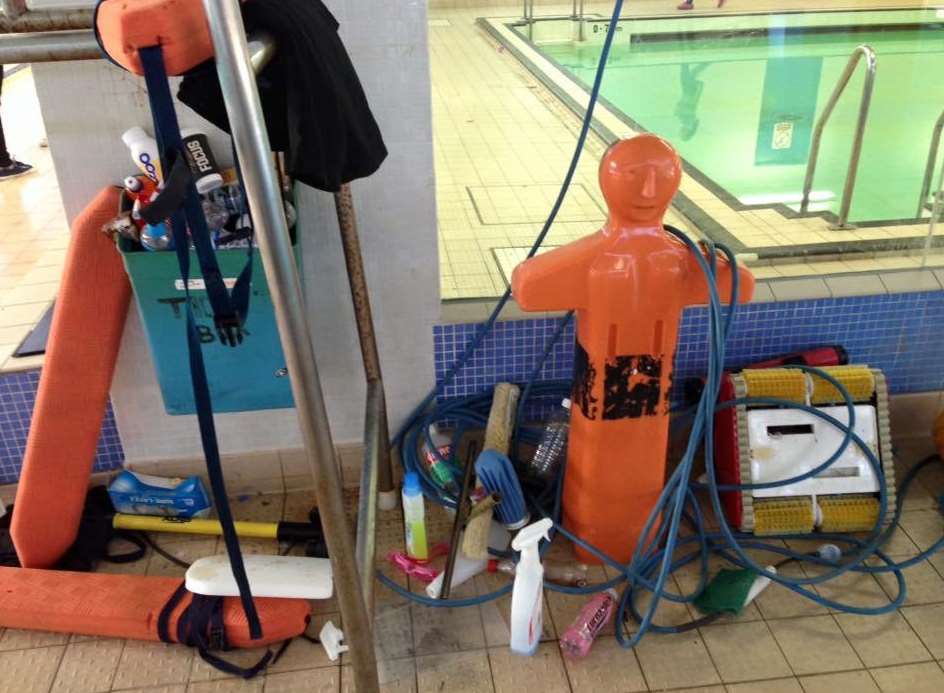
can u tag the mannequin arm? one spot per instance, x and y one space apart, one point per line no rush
557 279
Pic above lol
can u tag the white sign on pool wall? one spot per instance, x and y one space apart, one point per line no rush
595 32
200 285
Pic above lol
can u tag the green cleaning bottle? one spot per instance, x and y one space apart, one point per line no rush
414 518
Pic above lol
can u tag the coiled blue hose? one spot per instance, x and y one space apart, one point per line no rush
654 561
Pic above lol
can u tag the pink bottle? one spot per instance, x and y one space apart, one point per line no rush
593 617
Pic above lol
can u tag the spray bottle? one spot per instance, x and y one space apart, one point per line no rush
527 598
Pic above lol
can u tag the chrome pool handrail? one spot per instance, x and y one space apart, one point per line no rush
929 167
860 52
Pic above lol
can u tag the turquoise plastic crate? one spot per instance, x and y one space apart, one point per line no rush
247 377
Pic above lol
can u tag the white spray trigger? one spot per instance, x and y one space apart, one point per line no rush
759 585
331 637
532 534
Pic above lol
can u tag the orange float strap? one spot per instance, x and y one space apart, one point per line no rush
628 284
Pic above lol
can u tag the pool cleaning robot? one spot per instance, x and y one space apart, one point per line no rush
628 284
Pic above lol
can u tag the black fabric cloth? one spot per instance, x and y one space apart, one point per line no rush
5 159
91 544
315 108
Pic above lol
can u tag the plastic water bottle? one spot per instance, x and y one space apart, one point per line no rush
215 213
438 468
552 449
230 197
570 574
593 617
157 237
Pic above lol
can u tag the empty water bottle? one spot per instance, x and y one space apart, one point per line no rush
215 213
552 449
230 197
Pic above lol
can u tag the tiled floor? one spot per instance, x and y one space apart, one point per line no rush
781 643
33 229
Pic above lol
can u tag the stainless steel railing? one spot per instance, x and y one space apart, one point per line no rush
866 101
929 167
353 569
527 11
937 208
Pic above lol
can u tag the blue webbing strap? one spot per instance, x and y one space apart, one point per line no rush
227 313
201 625
167 133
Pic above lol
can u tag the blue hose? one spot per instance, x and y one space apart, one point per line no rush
655 560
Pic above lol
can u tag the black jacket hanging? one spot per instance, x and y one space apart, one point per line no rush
315 108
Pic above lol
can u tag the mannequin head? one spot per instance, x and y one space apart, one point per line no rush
638 177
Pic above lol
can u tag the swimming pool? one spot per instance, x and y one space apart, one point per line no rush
739 96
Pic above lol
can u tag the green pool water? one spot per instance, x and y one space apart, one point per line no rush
740 107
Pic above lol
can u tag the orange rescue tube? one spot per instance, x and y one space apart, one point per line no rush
178 26
127 606
628 284
73 389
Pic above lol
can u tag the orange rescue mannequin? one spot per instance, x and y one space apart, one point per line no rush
628 284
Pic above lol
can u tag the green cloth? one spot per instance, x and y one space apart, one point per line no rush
726 592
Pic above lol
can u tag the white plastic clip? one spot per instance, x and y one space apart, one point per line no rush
331 637
760 584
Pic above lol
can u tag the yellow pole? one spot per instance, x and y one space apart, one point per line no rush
181 525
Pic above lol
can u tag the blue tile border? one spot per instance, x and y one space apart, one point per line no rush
902 334
17 398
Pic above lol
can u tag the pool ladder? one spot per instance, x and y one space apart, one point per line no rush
929 167
858 54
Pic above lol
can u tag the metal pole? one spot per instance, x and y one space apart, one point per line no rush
60 46
12 8
462 511
54 20
376 449
859 53
376 471
935 217
265 202
929 166
853 169
261 47
49 47
360 297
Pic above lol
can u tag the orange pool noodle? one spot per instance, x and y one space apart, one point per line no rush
73 389
178 26
628 284
127 606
